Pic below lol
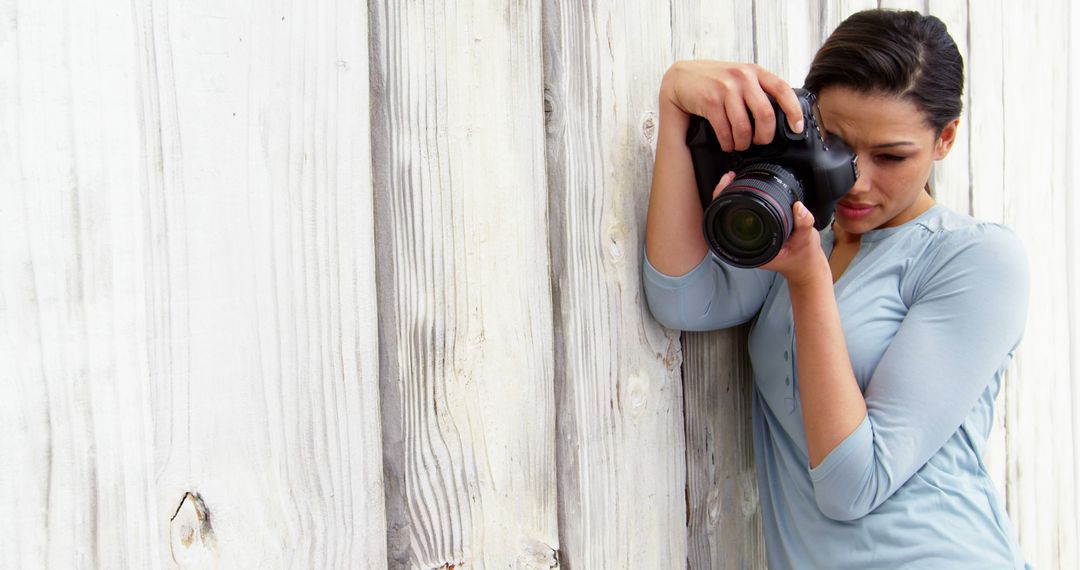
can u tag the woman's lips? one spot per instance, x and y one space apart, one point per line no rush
853 211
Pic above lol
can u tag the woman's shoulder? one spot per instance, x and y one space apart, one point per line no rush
960 245
951 232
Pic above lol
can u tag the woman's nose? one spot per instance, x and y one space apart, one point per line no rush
862 183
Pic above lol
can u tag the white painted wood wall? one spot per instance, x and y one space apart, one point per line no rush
345 284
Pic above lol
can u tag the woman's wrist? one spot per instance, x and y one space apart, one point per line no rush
815 272
669 93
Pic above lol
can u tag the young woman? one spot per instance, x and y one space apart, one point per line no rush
879 344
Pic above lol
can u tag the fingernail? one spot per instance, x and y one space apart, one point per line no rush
799 126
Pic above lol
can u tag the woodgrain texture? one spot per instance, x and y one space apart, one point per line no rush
1071 68
835 11
725 516
188 328
951 178
76 426
916 5
1038 148
466 334
248 249
986 165
621 442
723 519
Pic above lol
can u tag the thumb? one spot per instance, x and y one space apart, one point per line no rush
724 181
803 217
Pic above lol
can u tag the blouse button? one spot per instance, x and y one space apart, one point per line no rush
787 381
785 355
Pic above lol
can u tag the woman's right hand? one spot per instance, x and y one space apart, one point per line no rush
722 91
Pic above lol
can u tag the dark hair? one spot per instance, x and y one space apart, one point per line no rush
903 54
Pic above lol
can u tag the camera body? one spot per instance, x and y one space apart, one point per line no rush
752 217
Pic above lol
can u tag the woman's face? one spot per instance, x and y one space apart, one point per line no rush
895 148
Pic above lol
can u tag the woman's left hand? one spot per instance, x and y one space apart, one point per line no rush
801 259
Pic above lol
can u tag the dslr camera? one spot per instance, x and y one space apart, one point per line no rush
751 218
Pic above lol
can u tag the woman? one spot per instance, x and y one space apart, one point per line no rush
879 344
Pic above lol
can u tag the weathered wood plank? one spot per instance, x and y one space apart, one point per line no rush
786 37
1071 108
621 444
725 515
194 238
712 30
1042 492
986 164
76 432
951 178
464 293
835 11
724 524
802 37
278 262
916 5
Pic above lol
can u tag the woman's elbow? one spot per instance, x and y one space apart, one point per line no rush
839 510
668 315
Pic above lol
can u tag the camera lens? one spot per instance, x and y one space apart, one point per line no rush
744 228
748 223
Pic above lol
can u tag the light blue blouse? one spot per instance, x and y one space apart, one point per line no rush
932 311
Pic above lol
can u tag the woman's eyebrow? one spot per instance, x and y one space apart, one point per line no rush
892 144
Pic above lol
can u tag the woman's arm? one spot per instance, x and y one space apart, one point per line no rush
967 313
721 92
832 403
686 290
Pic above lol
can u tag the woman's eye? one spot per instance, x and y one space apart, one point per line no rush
892 157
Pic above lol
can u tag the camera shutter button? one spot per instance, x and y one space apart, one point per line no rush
796 136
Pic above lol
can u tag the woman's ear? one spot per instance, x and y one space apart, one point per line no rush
946 139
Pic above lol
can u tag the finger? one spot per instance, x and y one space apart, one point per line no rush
785 96
722 129
803 217
724 181
741 131
764 116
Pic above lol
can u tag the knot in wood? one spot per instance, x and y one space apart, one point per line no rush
648 128
638 394
191 534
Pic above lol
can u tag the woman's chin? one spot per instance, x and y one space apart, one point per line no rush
852 227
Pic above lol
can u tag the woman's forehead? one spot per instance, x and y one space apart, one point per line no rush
871 119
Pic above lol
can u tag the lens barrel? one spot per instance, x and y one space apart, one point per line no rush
751 219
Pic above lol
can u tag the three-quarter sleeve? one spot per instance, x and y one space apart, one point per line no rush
966 316
713 295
